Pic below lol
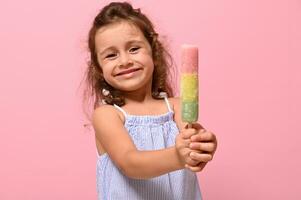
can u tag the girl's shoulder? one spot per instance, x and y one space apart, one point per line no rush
107 112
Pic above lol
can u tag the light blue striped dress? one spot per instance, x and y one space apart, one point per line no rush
148 132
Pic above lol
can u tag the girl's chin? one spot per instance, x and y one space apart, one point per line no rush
132 87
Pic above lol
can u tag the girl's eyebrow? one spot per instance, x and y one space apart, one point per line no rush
134 41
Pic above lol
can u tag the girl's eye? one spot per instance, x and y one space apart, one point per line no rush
112 55
134 49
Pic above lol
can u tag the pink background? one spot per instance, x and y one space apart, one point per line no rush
249 95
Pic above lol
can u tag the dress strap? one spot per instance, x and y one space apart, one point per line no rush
167 103
121 110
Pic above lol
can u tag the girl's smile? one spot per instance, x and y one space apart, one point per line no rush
128 71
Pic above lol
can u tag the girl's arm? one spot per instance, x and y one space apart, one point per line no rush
110 131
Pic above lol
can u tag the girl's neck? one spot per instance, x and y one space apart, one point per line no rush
140 96
141 102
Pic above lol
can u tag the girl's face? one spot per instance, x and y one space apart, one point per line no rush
125 56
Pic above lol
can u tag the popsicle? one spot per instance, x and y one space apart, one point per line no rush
189 93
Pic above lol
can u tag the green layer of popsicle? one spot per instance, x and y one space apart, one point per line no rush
189 111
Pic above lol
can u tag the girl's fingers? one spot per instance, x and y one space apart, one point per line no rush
196 168
191 162
197 126
197 151
203 146
188 133
186 143
203 137
193 169
200 157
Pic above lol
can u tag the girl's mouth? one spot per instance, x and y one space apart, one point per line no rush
128 71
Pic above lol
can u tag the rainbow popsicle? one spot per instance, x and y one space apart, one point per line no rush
189 83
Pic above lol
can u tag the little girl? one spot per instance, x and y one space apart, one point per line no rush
145 151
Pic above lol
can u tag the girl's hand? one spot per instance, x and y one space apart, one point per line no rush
203 146
182 147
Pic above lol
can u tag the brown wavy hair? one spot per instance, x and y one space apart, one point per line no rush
114 13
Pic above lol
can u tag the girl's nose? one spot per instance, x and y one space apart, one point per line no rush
125 59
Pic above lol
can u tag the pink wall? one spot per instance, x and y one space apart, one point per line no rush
249 91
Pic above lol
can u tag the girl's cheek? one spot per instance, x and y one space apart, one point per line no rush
108 66
102 61
143 56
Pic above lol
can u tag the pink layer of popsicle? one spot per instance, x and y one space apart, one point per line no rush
189 59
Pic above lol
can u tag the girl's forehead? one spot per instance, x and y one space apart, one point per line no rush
117 33
119 29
